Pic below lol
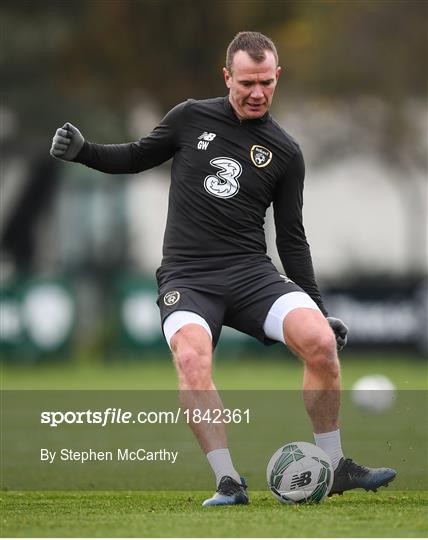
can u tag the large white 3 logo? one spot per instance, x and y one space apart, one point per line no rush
225 182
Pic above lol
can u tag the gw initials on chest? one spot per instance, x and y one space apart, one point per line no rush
205 139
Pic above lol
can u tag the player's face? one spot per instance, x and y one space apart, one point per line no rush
251 84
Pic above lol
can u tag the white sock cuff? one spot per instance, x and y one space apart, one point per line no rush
327 435
221 464
330 443
218 452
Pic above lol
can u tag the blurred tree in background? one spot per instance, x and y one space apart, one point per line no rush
92 62
88 60
354 87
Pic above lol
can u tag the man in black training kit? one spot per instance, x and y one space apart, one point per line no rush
231 160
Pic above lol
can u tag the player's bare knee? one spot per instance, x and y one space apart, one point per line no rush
188 361
192 358
192 336
314 342
319 352
327 344
328 364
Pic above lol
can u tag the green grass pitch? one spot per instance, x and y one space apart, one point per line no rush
387 513
179 514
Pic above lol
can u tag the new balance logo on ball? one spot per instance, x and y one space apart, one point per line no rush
301 480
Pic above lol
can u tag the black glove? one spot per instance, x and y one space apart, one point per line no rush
67 142
340 331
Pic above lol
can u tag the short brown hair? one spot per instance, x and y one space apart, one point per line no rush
253 43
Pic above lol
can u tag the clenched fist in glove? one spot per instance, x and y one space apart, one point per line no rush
67 142
340 331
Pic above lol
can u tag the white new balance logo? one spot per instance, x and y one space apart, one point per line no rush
205 139
207 136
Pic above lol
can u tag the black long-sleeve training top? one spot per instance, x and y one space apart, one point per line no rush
225 174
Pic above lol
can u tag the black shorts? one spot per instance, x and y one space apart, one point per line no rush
234 292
